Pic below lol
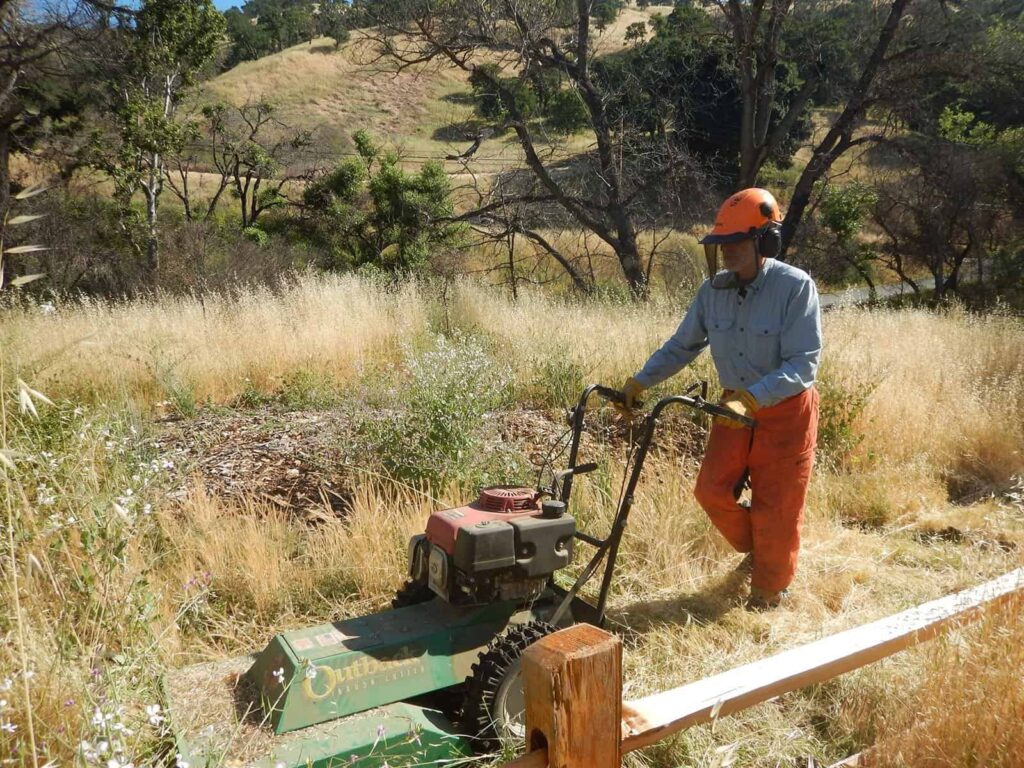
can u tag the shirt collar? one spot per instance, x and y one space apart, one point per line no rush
758 282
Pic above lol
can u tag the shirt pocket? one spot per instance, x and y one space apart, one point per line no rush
720 336
764 345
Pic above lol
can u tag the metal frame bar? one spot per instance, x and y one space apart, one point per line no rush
610 544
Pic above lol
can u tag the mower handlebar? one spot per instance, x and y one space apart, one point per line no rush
609 394
717 410
698 403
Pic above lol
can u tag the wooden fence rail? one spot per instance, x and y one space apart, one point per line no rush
575 716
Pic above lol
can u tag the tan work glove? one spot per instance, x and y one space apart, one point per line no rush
631 391
740 402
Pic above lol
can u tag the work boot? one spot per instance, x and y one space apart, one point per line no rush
765 600
746 565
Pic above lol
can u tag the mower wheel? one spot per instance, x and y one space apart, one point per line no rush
413 592
494 707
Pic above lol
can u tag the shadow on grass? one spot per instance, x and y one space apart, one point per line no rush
703 606
324 48
461 131
246 696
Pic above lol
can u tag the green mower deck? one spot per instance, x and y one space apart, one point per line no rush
336 694
208 705
329 671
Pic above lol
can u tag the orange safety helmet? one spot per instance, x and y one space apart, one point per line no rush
749 213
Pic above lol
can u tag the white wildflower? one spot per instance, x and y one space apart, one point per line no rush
44 497
121 728
153 713
90 754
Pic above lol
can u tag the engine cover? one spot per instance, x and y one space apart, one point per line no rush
498 547
543 545
494 505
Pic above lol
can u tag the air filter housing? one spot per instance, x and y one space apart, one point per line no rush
504 498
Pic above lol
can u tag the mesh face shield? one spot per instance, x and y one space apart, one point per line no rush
723 279
711 256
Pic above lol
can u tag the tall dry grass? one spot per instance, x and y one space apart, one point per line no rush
267 570
112 592
214 347
949 389
967 708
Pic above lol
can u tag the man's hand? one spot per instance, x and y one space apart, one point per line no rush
631 391
740 402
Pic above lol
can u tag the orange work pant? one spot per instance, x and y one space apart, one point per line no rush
779 460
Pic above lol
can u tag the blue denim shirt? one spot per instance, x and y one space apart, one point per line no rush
767 343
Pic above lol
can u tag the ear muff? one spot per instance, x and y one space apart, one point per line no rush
769 240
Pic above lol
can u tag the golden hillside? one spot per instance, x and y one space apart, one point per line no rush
338 91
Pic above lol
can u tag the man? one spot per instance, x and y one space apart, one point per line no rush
762 322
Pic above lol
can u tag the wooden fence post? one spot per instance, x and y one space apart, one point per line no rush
573 681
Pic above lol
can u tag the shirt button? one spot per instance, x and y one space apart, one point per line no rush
741 354
741 330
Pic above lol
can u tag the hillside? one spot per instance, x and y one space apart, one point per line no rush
337 92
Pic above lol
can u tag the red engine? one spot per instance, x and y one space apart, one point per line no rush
503 546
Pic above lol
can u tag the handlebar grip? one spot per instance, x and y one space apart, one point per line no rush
609 394
725 413
616 396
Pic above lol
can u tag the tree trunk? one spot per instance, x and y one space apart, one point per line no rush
629 254
5 199
839 137
748 149
152 255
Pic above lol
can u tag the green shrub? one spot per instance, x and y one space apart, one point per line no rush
556 382
257 236
308 389
433 431
566 112
840 410
490 91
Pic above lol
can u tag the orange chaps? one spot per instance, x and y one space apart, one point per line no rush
779 461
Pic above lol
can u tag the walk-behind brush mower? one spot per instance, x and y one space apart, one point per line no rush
437 676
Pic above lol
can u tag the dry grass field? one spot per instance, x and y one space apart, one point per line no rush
120 560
